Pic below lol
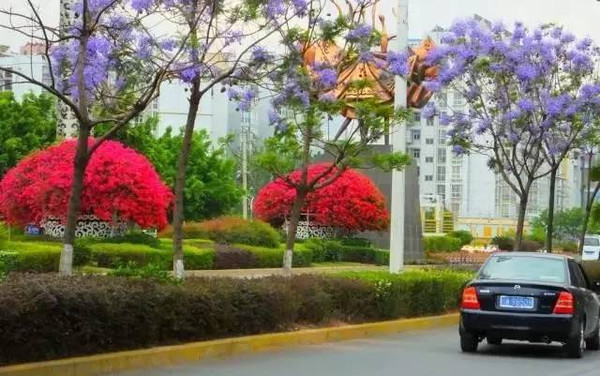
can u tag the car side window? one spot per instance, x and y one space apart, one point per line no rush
577 278
588 284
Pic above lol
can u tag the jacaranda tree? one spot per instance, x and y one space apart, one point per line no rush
106 65
352 202
119 184
527 91
334 64
226 45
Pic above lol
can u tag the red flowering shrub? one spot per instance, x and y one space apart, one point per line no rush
352 202
118 181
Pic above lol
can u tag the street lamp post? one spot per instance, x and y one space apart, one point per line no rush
67 121
398 205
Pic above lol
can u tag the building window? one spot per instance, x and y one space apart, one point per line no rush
416 153
429 141
442 99
428 159
455 191
428 177
416 134
458 100
46 78
430 121
456 172
417 118
441 173
442 137
5 81
441 156
245 117
441 191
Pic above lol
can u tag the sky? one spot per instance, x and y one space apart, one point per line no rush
581 17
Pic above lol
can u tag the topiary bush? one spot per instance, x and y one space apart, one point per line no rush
504 243
229 257
40 257
464 236
442 244
95 314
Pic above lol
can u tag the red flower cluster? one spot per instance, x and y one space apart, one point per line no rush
352 202
119 182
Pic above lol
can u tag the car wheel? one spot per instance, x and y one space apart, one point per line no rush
593 343
496 341
575 346
468 342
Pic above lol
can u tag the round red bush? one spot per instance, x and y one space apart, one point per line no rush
119 182
352 202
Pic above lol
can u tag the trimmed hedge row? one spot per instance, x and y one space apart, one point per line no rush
350 250
230 230
442 244
47 317
38 256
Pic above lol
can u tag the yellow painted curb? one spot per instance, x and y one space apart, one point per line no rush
169 355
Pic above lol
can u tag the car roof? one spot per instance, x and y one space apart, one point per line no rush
534 254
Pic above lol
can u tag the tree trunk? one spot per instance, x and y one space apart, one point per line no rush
521 221
184 154
80 163
291 231
551 200
586 217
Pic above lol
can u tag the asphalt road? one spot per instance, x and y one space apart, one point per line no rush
428 353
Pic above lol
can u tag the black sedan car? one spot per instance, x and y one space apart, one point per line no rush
535 297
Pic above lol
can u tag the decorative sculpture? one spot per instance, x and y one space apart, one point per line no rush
382 87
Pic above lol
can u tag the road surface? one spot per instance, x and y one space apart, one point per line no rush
428 353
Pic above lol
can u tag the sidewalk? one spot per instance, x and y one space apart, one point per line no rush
259 273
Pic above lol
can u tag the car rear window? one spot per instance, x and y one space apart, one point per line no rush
594 242
525 268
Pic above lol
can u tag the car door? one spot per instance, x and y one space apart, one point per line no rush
593 299
579 289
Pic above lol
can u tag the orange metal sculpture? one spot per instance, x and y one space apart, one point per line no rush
382 87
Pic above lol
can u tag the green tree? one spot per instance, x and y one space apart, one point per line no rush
568 223
211 189
25 126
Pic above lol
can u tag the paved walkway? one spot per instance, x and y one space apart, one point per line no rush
259 273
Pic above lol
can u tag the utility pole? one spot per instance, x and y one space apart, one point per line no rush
398 204
67 121
244 140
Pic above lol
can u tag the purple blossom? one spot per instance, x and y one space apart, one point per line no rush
260 55
326 77
458 150
359 33
300 6
526 72
398 63
141 5
168 44
328 97
445 119
429 111
526 105
366 56
275 8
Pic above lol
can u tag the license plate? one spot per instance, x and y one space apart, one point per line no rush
516 302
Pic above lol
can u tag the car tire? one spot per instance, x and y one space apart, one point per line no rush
575 346
468 342
494 341
593 343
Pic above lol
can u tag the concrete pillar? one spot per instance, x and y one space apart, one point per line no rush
67 122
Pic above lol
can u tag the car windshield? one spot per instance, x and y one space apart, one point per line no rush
594 242
524 268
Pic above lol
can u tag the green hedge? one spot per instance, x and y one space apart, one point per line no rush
273 258
230 230
442 244
465 236
350 250
112 255
48 317
39 256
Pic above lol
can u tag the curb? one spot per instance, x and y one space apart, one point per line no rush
171 355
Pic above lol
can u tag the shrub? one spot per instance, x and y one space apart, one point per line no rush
41 257
351 250
230 230
191 230
382 257
229 257
504 243
464 236
568 247
83 315
112 255
135 237
273 258
442 244
149 271
531 246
